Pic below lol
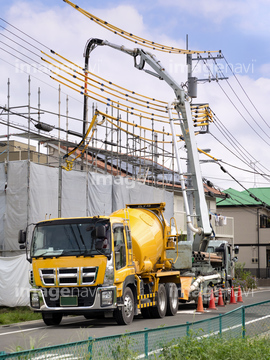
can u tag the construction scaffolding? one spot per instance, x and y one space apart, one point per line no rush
115 150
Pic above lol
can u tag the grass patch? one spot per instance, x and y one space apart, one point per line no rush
214 348
12 315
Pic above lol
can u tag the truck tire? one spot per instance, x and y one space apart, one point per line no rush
52 318
172 299
125 314
159 311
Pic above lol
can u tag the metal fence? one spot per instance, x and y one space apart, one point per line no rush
249 320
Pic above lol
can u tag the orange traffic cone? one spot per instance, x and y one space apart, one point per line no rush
212 304
220 298
232 299
239 295
200 304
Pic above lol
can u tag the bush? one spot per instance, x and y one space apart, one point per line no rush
243 278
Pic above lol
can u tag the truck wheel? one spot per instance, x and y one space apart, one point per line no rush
52 318
125 315
172 299
159 311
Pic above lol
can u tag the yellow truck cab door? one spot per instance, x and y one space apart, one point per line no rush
120 253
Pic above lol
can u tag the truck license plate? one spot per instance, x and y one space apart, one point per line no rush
68 300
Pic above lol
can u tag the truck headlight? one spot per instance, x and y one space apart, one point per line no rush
106 298
34 300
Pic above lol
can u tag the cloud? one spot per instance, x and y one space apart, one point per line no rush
246 15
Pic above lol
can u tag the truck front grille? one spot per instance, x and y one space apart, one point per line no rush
68 276
89 275
47 276
86 295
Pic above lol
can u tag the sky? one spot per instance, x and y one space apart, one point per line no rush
240 135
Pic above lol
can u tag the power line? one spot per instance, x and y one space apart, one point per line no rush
236 108
246 93
24 34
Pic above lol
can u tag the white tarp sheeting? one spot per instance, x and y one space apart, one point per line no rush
43 193
99 194
81 195
16 203
14 285
74 199
2 203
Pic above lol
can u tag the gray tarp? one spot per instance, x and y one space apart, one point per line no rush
81 195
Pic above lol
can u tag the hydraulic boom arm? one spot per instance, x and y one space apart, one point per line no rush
182 106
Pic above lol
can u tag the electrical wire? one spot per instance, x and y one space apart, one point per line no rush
244 154
256 198
24 34
131 37
241 102
236 108
229 66
39 64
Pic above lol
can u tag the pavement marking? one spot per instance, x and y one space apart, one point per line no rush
38 328
19 331
191 312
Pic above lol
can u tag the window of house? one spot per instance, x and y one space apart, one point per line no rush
264 221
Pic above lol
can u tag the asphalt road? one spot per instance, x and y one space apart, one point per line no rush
36 334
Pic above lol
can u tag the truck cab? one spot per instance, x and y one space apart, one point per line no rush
225 249
78 265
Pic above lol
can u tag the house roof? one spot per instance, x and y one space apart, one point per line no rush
129 164
250 197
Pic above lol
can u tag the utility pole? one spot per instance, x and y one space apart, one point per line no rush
192 93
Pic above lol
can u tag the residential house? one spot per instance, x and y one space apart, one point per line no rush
251 212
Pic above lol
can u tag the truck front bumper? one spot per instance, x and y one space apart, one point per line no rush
104 298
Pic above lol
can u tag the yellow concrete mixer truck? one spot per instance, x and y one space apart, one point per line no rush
131 260
94 265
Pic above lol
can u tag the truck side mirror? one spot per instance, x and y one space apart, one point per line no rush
22 238
236 250
235 259
100 232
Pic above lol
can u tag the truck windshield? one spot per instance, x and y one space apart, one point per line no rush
69 237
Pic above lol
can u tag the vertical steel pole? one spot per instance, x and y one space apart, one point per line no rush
127 144
243 321
163 154
187 329
67 118
39 122
220 325
8 104
146 343
28 160
59 155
